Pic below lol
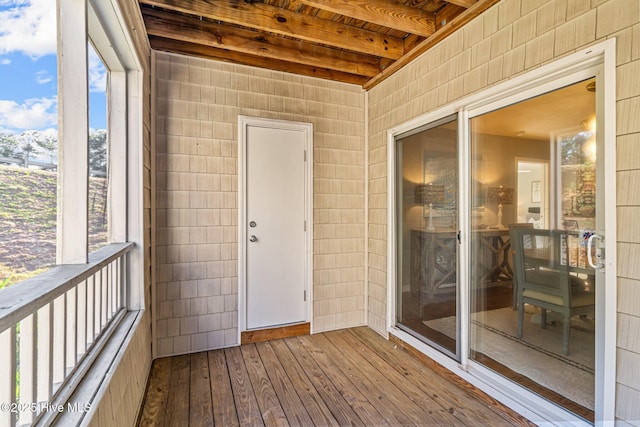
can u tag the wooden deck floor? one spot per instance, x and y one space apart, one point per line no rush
347 377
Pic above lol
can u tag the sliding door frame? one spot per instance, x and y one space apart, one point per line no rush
598 60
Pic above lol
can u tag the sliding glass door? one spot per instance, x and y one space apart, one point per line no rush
535 231
427 229
498 241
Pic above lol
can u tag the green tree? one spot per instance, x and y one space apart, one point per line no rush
8 145
33 143
98 151
27 145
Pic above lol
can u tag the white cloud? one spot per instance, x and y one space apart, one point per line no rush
35 113
28 26
5 61
97 72
43 77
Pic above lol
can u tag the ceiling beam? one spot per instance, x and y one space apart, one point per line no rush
452 26
446 14
381 12
463 3
411 41
224 55
287 23
189 29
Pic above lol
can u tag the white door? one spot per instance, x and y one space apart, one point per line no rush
275 224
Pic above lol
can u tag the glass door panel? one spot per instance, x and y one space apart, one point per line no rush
427 212
532 290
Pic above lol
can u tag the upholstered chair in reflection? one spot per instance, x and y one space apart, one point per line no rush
545 278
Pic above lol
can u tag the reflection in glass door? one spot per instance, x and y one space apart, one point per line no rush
427 221
532 288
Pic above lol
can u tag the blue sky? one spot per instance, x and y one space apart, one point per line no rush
28 69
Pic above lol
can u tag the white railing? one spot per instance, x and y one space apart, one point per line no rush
51 328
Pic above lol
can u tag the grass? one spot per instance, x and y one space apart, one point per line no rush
8 276
28 200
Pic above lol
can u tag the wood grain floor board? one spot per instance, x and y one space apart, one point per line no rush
449 397
318 411
408 397
454 386
367 410
154 409
390 401
224 407
200 403
291 403
272 412
454 396
178 394
349 377
339 406
244 397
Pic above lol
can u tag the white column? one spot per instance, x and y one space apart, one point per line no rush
73 132
117 151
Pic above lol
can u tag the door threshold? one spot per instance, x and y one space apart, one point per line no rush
267 334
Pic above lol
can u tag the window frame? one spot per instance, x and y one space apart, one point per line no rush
101 23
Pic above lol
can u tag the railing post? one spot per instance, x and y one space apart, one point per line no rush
59 340
91 301
71 322
45 353
101 298
28 367
109 310
81 316
124 280
8 369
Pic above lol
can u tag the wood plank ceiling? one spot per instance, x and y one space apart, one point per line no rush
353 41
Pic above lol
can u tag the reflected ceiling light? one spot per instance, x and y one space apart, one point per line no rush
520 133
589 148
589 124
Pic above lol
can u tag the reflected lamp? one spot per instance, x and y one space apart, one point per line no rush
427 195
502 196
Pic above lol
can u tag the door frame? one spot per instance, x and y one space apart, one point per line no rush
545 78
307 128
549 205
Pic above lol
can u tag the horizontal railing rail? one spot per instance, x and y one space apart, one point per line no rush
50 324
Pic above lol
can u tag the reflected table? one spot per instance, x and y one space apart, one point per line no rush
434 259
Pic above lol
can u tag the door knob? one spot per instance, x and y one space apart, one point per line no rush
253 239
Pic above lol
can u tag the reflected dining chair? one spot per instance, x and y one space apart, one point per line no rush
513 262
543 281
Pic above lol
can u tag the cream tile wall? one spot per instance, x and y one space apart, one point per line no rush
512 37
197 106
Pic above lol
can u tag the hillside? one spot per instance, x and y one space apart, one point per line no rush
28 220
